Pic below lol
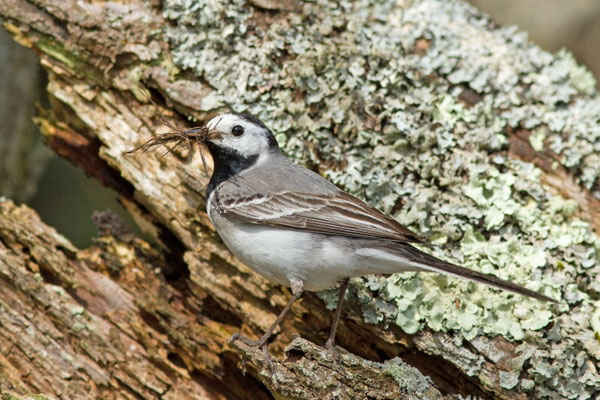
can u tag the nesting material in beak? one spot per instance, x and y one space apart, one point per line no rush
189 137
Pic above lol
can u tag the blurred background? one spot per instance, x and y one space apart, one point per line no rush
65 198
29 172
554 24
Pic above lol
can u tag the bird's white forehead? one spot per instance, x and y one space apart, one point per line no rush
225 122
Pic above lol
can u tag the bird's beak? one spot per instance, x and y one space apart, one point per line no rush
202 134
211 134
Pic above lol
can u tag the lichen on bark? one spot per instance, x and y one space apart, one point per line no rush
417 105
458 128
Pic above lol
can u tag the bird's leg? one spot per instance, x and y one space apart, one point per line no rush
330 343
297 290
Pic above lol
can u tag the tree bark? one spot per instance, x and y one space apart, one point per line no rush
124 319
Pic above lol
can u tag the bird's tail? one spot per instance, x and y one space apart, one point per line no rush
427 262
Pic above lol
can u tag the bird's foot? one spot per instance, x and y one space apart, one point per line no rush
334 351
330 344
252 343
269 360
262 343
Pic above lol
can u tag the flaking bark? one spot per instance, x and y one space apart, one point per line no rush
124 319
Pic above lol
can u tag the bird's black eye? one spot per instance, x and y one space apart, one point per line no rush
237 130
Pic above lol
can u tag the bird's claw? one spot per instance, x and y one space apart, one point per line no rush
256 343
233 338
249 342
330 344
334 351
269 360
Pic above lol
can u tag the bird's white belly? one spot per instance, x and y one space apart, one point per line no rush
280 255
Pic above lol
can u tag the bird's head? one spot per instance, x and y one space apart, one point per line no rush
243 134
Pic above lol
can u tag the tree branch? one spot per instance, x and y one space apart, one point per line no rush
412 110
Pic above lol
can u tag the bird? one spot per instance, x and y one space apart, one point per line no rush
297 229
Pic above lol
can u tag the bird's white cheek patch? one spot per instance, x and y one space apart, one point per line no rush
246 146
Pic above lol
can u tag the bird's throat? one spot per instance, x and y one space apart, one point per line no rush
227 163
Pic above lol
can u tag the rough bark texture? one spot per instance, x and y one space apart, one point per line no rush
124 320
105 323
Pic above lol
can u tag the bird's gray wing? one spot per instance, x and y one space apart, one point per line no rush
336 213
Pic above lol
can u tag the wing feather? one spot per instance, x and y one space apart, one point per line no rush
331 214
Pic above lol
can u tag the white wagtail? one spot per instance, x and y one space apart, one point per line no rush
297 229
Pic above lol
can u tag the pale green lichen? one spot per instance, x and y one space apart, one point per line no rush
493 192
581 78
595 321
448 111
508 380
359 92
537 137
77 309
408 378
